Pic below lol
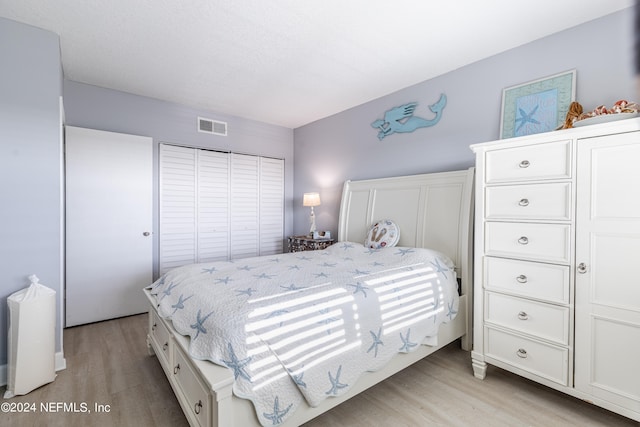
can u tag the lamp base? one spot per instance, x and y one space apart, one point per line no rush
312 221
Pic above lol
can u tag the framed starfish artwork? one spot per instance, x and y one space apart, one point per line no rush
537 106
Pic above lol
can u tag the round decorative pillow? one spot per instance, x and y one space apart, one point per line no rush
382 234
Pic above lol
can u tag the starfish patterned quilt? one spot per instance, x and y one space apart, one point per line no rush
306 325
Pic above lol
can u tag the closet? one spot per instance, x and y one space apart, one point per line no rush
557 298
218 206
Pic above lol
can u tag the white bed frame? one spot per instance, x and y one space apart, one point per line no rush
432 210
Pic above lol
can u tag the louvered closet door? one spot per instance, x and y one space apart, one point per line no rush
271 205
194 206
178 208
217 206
244 205
213 206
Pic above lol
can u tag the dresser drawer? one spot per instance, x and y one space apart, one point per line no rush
549 282
532 162
537 242
545 360
195 398
546 321
162 338
531 201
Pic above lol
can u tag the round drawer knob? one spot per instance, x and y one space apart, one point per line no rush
525 164
523 316
582 268
522 353
522 278
523 202
523 240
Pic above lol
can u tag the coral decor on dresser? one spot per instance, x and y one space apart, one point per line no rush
621 110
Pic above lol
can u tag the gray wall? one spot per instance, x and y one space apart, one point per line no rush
104 109
345 146
30 164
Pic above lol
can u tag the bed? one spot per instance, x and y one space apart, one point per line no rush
432 211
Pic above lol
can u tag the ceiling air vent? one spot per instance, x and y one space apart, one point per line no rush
212 126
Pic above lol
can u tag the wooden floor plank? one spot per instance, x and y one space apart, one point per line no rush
108 365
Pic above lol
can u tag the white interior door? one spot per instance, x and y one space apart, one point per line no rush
108 224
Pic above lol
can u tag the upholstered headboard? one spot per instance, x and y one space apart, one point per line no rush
432 211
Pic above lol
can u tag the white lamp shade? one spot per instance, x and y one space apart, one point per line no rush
311 199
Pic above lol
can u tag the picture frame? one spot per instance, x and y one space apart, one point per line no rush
321 235
537 106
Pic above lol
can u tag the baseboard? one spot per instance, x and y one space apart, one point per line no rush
60 361
60 364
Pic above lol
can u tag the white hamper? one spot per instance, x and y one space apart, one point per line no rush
31 340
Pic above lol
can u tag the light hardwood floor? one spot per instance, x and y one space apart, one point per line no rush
108 364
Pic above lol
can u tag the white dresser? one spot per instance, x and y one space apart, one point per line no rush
557 296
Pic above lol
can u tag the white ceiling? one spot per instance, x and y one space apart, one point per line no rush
287 62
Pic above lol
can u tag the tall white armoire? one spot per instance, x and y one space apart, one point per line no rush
557 293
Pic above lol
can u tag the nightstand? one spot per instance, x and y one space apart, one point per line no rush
306 243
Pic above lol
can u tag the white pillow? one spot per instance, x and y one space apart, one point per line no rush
382 234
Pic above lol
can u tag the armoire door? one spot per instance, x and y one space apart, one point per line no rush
607 285
108 195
